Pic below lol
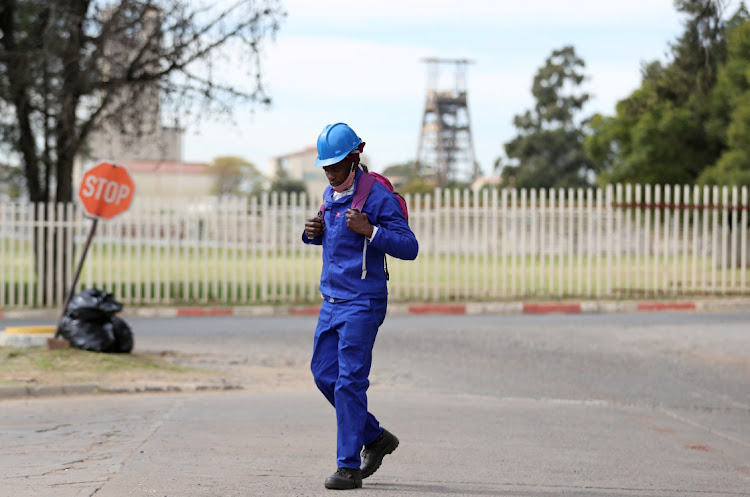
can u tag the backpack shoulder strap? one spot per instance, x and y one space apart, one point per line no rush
322 210
364 186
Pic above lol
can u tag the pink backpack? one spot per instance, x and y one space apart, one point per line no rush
364 186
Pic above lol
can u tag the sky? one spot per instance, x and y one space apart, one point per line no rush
362 63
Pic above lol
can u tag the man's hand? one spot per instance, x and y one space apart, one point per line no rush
314 226
358 222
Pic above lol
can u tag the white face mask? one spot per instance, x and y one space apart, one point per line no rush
348 182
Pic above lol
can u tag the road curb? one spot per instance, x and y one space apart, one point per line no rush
36 391
468 308
24 391
421 309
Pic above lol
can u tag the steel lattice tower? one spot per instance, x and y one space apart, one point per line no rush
446 149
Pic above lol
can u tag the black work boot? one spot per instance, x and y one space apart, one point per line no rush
345 479
373 454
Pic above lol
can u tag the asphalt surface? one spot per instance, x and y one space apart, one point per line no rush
592 405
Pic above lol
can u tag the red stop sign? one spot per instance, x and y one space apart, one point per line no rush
106 190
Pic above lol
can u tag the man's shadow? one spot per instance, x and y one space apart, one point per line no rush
453 489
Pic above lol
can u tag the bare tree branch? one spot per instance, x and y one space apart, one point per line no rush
71 67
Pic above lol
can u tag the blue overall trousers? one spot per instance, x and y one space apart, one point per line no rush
341 360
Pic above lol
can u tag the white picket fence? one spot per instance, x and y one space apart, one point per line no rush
624 241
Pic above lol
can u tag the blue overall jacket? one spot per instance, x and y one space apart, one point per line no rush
346 253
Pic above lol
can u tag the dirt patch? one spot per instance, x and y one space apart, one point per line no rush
151 370
718 358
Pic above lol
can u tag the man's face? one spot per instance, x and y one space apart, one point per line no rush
337 173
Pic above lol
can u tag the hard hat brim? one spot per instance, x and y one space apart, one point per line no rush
330 161
333 160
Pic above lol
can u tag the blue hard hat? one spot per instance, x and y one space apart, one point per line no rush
335 142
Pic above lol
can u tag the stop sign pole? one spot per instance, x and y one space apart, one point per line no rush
106 191
77 275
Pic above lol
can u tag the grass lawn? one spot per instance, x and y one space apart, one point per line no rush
218 276
39 365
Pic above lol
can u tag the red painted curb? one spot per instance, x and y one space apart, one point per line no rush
312 310
552 308
204 311
1 314
456 309
665 306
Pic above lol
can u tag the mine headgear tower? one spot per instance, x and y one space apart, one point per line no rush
446 149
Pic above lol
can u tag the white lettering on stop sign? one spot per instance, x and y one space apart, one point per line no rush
113 192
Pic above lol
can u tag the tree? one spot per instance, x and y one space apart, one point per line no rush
283 183
400 174
236 176
548 151
70 67
732 110
662 132
288 185
417 186
67 67
11 178
404 170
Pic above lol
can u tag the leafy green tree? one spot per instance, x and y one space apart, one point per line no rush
732 110
456 185
236 176
548 151
405 170
283 183
400 174
417 186
11 177
662 132
289 186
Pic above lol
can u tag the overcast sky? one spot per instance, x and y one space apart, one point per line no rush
360 63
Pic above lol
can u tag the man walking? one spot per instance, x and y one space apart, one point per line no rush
353 284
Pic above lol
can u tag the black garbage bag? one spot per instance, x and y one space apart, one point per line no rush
96 335
89 323
123 343
92 304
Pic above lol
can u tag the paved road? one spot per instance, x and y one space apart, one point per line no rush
627 405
